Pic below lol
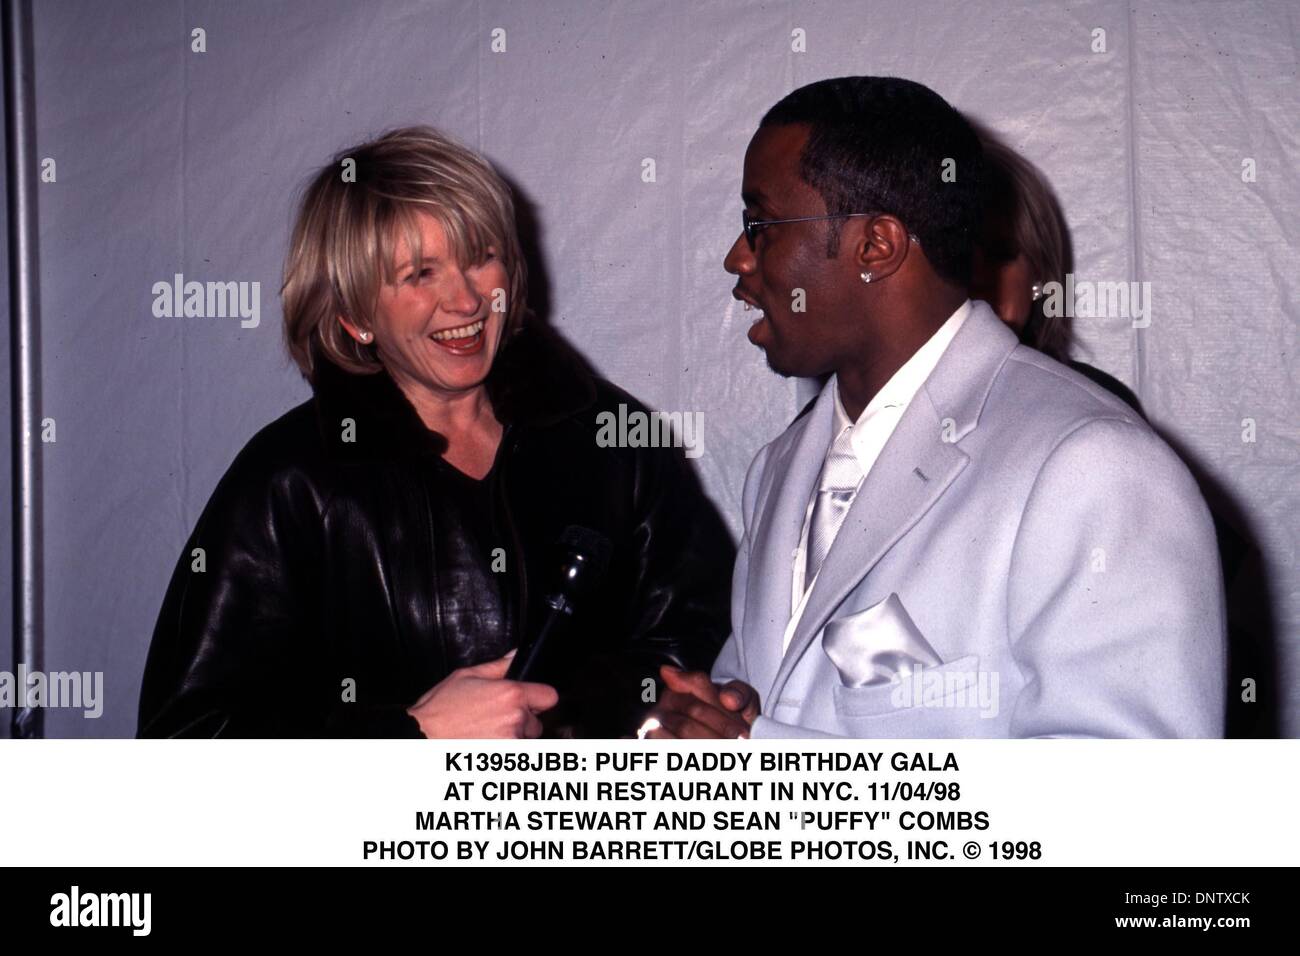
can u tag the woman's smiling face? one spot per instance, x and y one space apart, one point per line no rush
438 326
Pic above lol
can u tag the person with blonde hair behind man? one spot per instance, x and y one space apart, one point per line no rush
1023 245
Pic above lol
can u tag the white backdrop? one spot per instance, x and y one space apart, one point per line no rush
173 161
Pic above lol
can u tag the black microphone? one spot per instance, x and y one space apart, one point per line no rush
585 559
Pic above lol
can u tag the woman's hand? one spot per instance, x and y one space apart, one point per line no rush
478 702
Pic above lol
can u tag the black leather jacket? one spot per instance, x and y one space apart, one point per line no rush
341 579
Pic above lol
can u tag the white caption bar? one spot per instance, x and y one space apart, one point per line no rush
424 803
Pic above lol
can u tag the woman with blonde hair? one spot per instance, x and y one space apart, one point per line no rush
1024 244
374 557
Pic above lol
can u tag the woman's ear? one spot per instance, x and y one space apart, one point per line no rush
1013 287
364 336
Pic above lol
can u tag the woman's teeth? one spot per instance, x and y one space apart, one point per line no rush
464 332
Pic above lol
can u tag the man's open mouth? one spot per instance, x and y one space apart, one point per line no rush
750 306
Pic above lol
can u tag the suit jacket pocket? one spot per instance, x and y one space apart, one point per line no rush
948 685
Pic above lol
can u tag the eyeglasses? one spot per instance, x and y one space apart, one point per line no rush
752 226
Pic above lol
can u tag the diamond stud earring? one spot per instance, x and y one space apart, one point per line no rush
866 277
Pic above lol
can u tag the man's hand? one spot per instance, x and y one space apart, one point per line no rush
695 708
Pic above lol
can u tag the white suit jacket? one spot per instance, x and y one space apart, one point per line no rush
1026 558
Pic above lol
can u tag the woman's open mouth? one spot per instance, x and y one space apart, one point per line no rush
462 340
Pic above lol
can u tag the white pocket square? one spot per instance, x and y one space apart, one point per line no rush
877 645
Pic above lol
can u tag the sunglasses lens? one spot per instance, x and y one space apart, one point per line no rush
749 228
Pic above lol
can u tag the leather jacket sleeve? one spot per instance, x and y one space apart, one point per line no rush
231 652
679 615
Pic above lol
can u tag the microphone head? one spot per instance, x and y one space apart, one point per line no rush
586 559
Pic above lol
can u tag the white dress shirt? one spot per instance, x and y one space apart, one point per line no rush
870 433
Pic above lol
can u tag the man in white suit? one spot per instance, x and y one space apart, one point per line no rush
960 537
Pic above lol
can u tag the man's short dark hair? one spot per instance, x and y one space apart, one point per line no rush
879 144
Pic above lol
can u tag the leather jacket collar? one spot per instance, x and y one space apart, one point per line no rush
536 379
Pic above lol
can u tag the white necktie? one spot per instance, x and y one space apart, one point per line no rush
840 477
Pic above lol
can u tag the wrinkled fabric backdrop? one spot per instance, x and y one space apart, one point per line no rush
170 161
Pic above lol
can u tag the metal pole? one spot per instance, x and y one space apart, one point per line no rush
24 354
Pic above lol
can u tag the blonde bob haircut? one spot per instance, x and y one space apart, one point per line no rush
345 237
1024 217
